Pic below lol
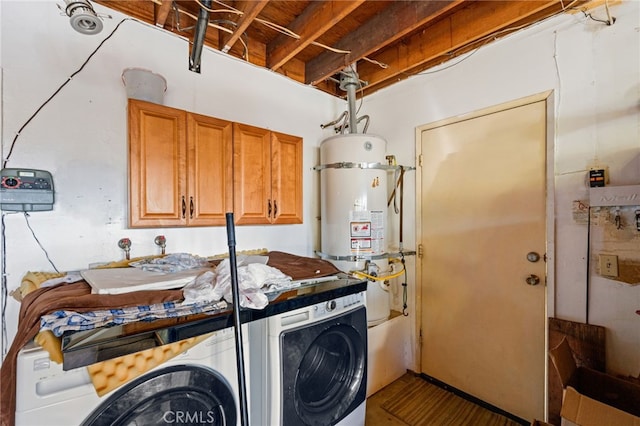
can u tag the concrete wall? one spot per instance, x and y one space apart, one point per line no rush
594 71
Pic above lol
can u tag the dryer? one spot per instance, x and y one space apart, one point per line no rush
198 386
313 366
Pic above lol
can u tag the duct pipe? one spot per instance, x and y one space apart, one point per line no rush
351 97
198 37
348 82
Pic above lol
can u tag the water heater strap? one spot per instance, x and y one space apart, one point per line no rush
350 165
355 258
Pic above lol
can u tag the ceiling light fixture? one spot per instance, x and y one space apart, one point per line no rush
82 17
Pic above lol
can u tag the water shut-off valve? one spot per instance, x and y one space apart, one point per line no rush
125 244
161 241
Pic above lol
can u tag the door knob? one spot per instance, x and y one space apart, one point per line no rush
533 280
533 257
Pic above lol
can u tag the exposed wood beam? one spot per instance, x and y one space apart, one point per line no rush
316 19
395 22
250 10
143 10
162 12
466 27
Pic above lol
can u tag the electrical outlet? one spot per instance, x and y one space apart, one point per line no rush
609 265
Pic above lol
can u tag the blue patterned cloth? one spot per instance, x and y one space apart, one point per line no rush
60 321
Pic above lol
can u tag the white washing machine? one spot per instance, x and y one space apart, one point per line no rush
199 386
312 369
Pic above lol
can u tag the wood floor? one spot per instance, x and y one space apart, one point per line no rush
413 401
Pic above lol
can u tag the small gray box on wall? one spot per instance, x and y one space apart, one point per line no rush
23 190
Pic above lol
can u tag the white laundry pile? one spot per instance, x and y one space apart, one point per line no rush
254 275
71 277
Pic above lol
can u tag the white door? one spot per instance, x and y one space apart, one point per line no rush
482 194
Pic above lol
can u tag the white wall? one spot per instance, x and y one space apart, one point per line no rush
80 136
594 70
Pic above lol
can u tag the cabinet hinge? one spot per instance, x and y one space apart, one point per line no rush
420 251
420 160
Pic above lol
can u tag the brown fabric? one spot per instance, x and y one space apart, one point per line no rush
77 297
300 268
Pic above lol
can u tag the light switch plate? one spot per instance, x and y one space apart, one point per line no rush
608 265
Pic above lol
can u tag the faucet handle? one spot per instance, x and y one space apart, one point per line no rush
125 244
161 241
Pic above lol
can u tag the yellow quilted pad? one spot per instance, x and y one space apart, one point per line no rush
251 252
109 375
32 281
50 343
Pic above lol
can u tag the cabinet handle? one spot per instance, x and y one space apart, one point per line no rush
184 206
275 209
269 208
191 207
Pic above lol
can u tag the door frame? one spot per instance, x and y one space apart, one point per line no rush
548 98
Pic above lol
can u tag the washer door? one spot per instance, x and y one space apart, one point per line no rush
324 370
181 394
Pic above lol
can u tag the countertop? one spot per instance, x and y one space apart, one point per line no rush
88 347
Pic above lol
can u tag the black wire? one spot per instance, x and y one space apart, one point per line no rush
404 287
26 218
604 21
4 293
13 143
4 289
588 278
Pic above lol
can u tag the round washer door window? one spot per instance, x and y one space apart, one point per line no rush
182 394
329 376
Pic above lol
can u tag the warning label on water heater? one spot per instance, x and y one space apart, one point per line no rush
367 231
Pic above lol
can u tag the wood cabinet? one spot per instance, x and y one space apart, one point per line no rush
179 167
187 169
267 176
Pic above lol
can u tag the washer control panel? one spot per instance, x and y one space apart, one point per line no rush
339 304
26 190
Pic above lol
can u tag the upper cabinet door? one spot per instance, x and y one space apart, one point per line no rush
210 172
286 176
252 203
157 160
187 169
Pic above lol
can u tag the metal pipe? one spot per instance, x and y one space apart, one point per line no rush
198 37
349 82
235 292
331 123
366 125
351 98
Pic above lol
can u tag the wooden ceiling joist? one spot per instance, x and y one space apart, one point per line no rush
389 40
316 19
468 25
399 19
162 11
250 10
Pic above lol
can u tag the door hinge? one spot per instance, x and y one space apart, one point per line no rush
420 251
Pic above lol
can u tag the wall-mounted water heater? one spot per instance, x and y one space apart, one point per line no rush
25 190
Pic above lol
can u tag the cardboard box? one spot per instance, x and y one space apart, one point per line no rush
593 398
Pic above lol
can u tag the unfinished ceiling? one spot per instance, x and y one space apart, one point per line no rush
313 41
